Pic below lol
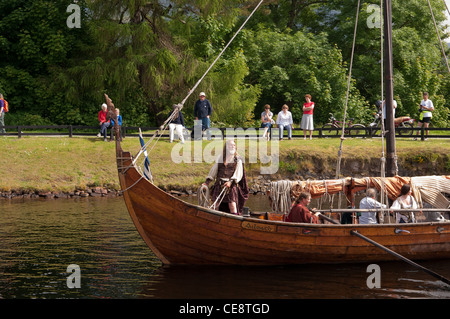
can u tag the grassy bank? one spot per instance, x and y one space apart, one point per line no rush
65 164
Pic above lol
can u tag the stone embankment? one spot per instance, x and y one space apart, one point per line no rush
313 169
88 192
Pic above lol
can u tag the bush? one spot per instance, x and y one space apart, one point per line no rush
21 118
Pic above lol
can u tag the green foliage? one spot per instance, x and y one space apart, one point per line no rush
288 66
147 55
21 118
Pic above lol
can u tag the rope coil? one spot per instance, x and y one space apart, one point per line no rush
203 196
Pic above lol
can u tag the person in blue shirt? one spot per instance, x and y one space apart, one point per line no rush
202 111
119 121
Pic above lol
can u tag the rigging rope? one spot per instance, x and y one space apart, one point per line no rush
220 198
280 194
338 165
437 32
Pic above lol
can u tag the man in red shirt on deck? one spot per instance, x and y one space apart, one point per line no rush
300 213
104 124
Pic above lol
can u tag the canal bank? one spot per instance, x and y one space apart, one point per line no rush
37 167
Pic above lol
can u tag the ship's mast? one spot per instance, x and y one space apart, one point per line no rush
389 91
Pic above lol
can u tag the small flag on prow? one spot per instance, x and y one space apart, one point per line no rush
147 172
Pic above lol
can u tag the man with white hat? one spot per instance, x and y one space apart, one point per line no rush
202 111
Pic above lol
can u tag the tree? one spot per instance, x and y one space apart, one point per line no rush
35 41
418 64
288 66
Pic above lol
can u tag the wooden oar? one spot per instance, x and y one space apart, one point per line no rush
328 219
428 271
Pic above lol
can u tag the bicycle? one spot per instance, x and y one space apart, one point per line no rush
335 127
404 125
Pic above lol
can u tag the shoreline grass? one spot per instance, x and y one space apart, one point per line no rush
66 164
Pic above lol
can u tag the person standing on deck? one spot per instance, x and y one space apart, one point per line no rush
228 174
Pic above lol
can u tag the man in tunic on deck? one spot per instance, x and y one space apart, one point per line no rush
229 175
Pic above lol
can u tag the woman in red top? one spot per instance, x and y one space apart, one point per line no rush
104 124
307 118
300 213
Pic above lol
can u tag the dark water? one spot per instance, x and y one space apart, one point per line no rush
40 239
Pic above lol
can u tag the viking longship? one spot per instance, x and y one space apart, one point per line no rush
182 233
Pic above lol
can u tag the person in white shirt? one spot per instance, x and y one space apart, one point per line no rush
403 202
394 106
285 121
369 202
425 109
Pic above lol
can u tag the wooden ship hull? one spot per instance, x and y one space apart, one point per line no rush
183 233
180 233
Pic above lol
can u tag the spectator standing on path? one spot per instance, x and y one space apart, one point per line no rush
202 111
2 113
104 124
307 123
425 109
176 124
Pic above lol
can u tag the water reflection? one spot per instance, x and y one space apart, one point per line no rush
293 282
40 238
